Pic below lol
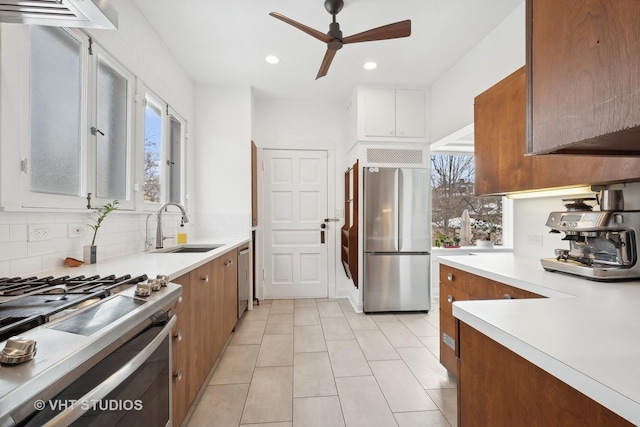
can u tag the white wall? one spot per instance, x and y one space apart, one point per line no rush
280 124
499 54
223 161
140 50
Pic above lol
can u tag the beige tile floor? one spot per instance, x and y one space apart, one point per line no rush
318 363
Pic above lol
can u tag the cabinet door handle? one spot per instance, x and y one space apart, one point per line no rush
178 375
205 279
178 336
450 277
506 296
450 298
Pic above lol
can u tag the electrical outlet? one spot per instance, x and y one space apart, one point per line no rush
39 232
534 239
76 230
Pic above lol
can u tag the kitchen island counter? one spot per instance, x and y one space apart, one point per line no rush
584 332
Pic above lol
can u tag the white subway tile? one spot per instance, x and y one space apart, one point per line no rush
19 233
5 269
24 266
5 233
13 250
40 248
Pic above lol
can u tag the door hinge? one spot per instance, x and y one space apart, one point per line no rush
263 275
90 46
24 165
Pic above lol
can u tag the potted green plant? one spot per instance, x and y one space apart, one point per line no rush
484 230
447 242
90 253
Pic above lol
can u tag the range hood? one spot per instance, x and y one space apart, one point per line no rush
60 13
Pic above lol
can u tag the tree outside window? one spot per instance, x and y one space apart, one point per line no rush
152 153
452 182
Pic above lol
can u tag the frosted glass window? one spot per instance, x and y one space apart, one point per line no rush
152 153
111 148
55 105
175 160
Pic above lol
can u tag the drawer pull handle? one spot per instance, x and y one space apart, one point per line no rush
506 296
450 298
449 341
179 299
205 279
178 336
178 375
450 277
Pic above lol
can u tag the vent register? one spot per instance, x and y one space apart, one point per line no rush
60 13
395 156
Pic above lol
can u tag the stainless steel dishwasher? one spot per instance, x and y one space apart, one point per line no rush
244 281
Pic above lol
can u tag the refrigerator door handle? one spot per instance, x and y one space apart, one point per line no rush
399 199
396 213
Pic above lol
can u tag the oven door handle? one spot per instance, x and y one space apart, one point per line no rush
71 414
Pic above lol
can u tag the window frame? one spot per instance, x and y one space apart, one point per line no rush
167 112
100 54
32 199
183 152
507 203
16 125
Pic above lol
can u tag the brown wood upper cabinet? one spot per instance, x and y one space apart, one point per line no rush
500 145
583 66
349 231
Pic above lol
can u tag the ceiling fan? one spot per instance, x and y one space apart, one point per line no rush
334 39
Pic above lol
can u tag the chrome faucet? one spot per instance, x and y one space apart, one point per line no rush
159 236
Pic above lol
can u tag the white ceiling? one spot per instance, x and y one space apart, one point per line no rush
225 42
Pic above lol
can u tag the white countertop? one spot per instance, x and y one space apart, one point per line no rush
151 263
585 333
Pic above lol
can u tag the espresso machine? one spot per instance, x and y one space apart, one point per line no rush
602 244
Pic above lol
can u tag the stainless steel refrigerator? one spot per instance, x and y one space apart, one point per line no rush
397 239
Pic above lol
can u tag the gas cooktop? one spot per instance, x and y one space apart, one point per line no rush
26 303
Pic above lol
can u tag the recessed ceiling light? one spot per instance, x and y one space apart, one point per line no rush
272 59
370 65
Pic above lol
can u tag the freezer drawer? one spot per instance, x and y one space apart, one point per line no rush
397 282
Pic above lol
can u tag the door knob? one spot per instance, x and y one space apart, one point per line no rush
323 225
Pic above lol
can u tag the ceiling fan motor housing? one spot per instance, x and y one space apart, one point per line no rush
334 31
334 6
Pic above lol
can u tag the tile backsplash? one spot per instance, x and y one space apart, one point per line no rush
53 238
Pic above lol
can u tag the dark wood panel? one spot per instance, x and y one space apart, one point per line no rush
496 387
254 184
499 127
501 164
584 67
230 311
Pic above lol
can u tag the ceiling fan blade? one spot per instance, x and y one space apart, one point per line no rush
391 31
326 63
312 32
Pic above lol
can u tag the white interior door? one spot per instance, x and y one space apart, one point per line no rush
295 206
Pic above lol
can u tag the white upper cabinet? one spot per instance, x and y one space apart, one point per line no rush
410 114
384 114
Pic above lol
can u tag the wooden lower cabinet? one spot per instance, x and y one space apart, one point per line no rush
204 322
496 387
458 285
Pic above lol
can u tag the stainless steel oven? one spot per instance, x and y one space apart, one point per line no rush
130 387
107 363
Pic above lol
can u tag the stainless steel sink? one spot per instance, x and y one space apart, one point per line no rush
182 249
